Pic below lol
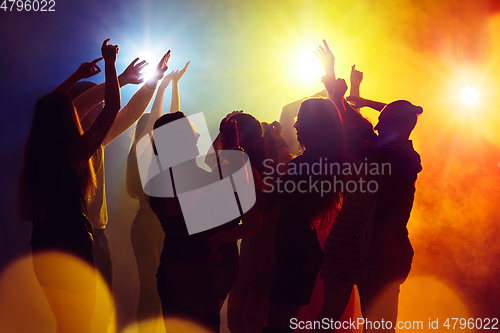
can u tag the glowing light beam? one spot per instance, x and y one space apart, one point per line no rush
309 68
469 95
149 70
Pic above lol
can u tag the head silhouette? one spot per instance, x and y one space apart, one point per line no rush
320 133
396 122
250 138
319 128
175 138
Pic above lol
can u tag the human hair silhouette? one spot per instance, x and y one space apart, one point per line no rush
55 185
298 252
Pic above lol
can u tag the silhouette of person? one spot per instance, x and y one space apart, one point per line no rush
56 181
387 251
146 234
302 210
342 264
187 285
86 103
248 300
87 97
224 239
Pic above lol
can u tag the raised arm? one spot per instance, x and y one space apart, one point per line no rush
134 186
86 70
353 120
356 78
87 144
156 109
87 100
175 104
158 102
326 59
360 102
137 104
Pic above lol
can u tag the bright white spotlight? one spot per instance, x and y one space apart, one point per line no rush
469 95
149 70
309 67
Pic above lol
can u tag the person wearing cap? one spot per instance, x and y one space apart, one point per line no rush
387 251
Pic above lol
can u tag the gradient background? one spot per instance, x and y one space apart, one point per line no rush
250 56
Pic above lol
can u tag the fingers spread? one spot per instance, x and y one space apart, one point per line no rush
326 45
134 61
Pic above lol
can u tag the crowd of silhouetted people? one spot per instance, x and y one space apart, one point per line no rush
321 167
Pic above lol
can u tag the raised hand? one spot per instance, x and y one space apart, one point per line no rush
175 104
356 76
132 74
89 69
326 58
179 74
109 51
160 70
166 80
162 65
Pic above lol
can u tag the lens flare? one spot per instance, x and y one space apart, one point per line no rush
27 307
469 95
309 68
429 311
149 70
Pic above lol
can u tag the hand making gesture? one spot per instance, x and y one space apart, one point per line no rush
326 59
356 78
89 69
109 51
160 70
132 74
179 73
